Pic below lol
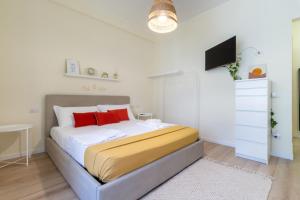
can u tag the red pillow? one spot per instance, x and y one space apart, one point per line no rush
106 118
84 119
121 113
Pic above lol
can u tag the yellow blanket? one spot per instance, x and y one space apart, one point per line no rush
111 160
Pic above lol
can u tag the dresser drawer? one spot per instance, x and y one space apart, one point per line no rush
251 92
252 103
251 84
252 134
256 119
251 150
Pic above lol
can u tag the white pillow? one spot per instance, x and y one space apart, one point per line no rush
105 108
65 116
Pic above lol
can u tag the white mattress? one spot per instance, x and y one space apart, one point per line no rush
76 140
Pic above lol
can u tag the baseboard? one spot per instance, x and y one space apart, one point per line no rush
221 142
252 158
284 156
19 154
231 144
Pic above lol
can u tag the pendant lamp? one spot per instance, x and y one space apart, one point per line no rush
162 17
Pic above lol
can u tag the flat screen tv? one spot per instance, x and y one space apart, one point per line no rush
220 55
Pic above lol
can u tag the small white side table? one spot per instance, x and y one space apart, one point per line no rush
145 116
7 129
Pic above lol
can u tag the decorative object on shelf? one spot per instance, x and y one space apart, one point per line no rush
162 17
233 69
104 75
115 76
91 71
72 66
258 71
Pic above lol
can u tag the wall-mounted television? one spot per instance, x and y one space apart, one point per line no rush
220 55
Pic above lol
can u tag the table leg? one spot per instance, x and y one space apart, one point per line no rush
27 146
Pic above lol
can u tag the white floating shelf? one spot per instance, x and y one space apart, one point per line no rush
91 77
170 73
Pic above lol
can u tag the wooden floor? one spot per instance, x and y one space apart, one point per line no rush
41 180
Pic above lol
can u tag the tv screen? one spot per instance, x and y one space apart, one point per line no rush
220 55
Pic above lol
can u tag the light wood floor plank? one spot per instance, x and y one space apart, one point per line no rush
41 180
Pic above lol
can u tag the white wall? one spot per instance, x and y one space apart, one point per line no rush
296 66
265 25
36 36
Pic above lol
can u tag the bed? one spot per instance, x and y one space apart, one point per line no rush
130 186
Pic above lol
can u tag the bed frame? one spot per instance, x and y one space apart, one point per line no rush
131 186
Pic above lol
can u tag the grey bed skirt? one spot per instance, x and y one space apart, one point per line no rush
131 186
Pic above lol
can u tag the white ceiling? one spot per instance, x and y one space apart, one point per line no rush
131 15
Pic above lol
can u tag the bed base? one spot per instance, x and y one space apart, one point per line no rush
128 187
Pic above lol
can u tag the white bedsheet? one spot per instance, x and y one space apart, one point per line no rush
76 140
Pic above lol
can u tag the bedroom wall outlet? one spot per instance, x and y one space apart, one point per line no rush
274 95
275 134
86 88
99 88
93 87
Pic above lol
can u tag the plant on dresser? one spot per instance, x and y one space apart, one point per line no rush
233 69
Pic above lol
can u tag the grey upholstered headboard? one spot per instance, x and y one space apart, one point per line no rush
73 101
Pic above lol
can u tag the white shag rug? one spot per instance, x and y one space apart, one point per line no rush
208 180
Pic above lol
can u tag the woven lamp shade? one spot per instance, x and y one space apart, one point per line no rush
162 17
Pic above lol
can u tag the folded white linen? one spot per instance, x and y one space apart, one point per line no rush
75 140
154 124
97 136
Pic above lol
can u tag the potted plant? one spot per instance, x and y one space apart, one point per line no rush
233 69
273 125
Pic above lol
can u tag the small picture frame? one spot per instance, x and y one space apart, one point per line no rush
257 71
72 66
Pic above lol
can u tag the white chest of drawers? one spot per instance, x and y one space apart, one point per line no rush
252 119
